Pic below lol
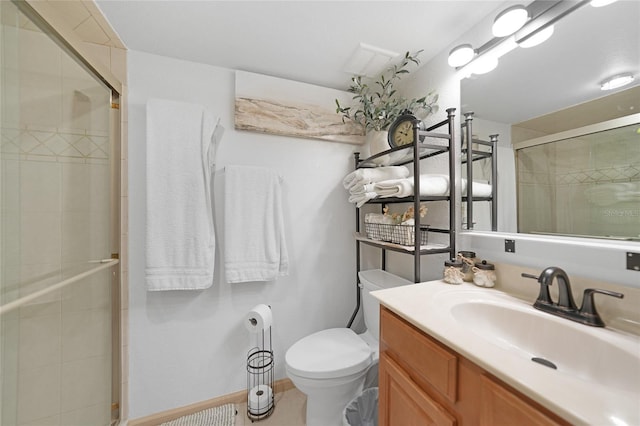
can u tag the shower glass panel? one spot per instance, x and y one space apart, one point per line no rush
58 285
587 185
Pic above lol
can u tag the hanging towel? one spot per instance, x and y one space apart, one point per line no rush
255 248
180 238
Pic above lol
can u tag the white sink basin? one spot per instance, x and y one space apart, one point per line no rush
596 379
598 356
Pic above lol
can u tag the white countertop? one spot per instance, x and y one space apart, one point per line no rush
573 398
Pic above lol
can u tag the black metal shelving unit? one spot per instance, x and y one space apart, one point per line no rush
420 150
414 153
486 150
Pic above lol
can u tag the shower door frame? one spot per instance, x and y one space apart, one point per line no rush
73 46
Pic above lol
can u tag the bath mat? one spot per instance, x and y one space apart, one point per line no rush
224 415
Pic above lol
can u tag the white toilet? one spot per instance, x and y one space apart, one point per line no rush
330 366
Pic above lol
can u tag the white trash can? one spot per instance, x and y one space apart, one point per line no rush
362 410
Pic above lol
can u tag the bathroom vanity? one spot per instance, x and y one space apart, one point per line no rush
448 389
462 355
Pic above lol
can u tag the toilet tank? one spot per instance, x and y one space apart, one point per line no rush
373 280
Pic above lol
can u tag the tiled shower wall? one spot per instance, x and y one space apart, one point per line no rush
584 186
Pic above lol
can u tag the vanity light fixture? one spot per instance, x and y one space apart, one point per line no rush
533 25
538 38
510 20
461 55
617 81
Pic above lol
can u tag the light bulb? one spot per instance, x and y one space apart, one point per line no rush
509 21
616 81
461 55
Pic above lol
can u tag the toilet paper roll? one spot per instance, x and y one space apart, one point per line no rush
260 399
258 318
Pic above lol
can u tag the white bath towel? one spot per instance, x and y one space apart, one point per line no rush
480 189
376 174
430 185
434 185
361 188
180 237
361 199
255 247
394 188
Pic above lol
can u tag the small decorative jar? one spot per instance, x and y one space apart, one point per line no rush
468 259
453 271
484 274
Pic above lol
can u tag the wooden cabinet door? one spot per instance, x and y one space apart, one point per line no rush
500 406
403 403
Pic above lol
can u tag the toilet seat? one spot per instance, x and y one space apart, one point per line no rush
328 354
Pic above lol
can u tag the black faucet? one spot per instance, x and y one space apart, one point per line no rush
566 307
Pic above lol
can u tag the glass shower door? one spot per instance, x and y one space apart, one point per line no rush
58 284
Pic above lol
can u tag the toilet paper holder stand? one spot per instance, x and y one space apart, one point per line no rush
260 370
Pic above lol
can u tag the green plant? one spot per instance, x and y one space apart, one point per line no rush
378 104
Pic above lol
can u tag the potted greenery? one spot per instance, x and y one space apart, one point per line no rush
378 104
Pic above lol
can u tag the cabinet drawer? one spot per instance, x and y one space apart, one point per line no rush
403 403
424 357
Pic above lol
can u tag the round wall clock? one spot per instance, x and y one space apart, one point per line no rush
401 130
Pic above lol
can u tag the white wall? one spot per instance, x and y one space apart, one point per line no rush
191 346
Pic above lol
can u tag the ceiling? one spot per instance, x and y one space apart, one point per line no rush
588 46
308 41
312 41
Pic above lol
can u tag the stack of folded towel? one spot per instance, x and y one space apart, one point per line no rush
394 181
361 182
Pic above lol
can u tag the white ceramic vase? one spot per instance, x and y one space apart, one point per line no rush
377 141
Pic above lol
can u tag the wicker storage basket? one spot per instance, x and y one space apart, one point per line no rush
398 234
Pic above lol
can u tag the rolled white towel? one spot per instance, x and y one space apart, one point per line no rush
394 188
480 189
376 174
361 199
361 188
430 185
434 185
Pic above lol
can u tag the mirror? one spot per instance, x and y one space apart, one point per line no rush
555 87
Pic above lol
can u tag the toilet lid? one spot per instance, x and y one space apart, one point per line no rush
336 352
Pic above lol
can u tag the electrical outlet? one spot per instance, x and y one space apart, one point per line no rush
510 246
633 261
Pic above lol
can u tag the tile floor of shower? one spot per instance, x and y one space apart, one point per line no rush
290 410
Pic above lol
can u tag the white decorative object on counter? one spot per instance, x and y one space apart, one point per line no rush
484 274
453 272
468 259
